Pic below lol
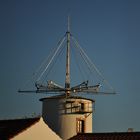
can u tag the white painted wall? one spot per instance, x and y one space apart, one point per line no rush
64 124
68 125
38 131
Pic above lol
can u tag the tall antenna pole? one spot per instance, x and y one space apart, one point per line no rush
67 80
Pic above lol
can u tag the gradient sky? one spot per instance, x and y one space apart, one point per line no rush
109 31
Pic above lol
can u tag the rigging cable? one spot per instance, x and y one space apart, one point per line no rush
80 67
55 53
60 52
82 56
91 63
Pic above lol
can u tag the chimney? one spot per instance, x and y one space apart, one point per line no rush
130 130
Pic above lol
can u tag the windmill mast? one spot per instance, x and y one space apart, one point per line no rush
67 80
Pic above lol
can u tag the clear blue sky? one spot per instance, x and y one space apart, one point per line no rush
109 31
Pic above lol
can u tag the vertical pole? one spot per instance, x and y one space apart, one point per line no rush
67 80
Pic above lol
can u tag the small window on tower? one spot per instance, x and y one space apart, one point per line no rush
80 125
82 106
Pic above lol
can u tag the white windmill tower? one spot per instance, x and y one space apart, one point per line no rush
66 113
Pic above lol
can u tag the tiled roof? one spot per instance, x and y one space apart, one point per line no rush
107 136
10 128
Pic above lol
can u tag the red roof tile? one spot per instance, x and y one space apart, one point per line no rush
107 136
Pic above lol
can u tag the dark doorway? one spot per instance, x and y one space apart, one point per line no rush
80 126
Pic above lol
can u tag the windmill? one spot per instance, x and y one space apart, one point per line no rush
65 111
84 87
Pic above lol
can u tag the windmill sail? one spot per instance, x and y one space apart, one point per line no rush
94 84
